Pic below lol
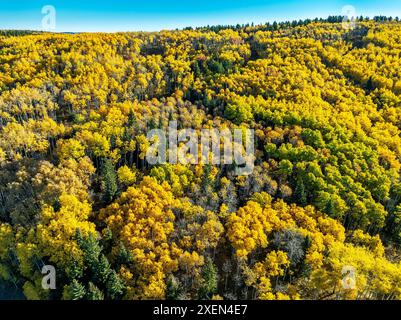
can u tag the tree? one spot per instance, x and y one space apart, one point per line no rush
173 289
76 291
94 293
126 176
115 286
75 110
109 180
102 270
300 193
210 280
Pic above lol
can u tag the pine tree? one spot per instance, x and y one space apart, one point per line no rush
330 208
94 293
109 180
197 69
132 119
210 280
152 124
75 270
174 289
115 285
124 256
299 192
91 248
76 290
102 270
206 176
369 84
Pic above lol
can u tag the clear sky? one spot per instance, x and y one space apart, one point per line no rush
151 15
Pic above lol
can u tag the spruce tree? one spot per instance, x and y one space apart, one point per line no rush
94 293
102 270
76 291
210 280
299 193
109 180
115 285
174 288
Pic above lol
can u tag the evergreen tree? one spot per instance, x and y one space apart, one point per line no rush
94 293
91 249
299 192
102 270
210 280
369 84
109 180
115 285
124 256
132 119
76 291
174 289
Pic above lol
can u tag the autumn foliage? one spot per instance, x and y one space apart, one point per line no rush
77 192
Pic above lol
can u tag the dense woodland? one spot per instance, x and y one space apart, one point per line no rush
76 191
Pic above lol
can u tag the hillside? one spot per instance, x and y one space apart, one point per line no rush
324 198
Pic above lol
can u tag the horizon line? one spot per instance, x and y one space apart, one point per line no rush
252 23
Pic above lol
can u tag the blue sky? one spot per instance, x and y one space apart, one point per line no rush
151 15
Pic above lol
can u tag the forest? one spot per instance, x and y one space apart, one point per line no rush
77 193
